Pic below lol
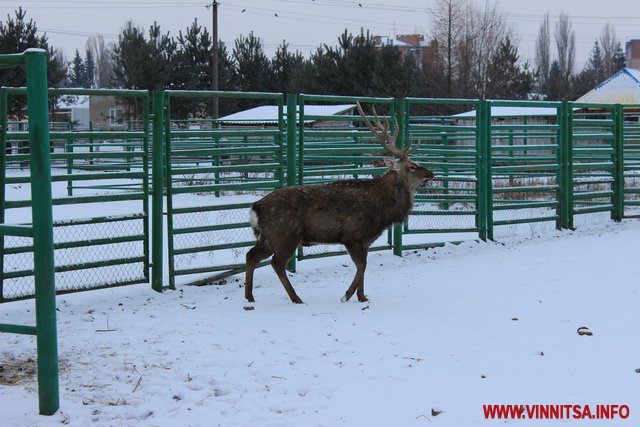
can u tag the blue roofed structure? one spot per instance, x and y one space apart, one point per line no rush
621 88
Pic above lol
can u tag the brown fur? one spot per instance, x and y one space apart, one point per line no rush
351 212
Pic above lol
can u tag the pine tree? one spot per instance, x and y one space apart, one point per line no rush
285 65
89 70
139 63
77 71
619 58
507 80
253 68
17 35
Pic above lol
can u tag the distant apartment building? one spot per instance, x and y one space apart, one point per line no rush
425 53
633 52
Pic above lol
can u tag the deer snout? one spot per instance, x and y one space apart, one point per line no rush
428 175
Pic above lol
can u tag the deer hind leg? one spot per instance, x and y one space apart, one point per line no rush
254 256
279 263
358 253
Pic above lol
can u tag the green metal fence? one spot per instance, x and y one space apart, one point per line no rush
524 154
448 210
213 175
631 161
40 231
97 171
592 148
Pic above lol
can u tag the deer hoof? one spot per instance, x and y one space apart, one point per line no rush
297 300
363 298
344 298
250 298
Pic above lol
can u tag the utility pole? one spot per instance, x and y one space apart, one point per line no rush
214 54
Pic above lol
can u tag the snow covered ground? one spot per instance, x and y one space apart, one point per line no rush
445 332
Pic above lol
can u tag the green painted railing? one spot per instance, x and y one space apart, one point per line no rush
545 162
109 168
449 145
630 194
40 231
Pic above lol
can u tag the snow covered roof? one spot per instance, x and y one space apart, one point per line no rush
269 113
621 88
74 101
385 40
513 112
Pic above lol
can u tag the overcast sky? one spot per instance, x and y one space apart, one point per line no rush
305 24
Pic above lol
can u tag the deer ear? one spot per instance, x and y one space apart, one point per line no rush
391 163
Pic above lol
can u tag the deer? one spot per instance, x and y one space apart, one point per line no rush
352 212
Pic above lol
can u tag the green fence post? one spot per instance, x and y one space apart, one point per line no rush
156 201
484 170
403 138
618 172
618 186
68 149
481 193
3 165
47 343
568 164
292 103
90 142
560 174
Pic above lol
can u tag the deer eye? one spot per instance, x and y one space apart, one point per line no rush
412 168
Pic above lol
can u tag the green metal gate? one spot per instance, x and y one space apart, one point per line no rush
215 170
40 231
525 156
631 162
104 240
592 154
450 209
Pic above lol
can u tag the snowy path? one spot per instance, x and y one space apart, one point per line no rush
446 330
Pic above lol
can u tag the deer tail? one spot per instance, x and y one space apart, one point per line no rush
254 221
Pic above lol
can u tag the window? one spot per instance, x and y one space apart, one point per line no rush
116 117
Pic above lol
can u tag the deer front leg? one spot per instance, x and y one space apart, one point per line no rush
358 253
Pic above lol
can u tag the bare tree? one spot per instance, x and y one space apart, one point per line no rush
490 29
608 44
566 45
101 53
447 20
543 51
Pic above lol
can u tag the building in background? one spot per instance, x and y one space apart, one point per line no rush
425 53
633 52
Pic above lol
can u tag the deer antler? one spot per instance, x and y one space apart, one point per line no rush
381 132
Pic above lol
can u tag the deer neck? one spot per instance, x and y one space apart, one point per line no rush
396 192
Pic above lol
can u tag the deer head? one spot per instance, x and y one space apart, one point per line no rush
415 174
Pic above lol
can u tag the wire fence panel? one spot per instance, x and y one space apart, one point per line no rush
525 157
215 171
447 133
334 144
100 196
593 159
631 161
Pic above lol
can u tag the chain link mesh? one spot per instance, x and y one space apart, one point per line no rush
73 258
197 258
